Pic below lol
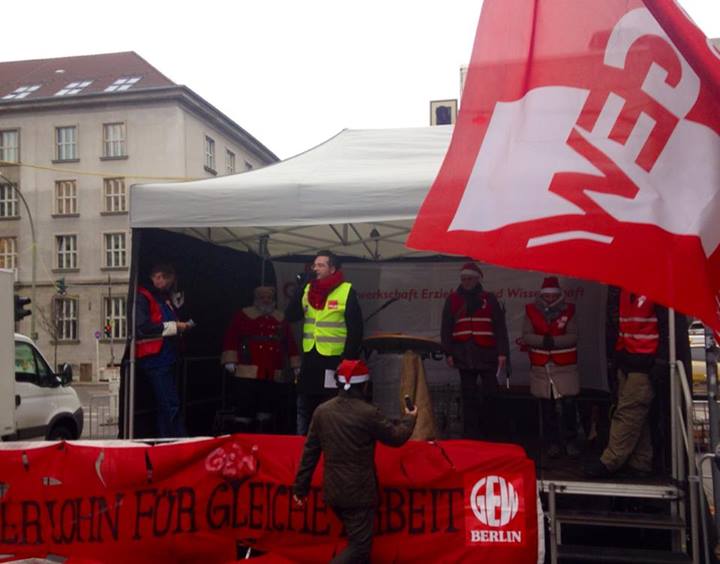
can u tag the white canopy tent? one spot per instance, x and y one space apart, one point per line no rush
356 194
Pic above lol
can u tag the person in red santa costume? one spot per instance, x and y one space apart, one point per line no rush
550 336
257 346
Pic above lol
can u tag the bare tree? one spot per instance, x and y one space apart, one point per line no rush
49 320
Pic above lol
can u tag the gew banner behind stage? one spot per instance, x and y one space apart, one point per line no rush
208 500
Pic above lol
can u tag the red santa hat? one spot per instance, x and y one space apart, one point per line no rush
550 285
352 372
471 269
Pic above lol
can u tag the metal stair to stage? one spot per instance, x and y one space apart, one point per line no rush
625 531
668 521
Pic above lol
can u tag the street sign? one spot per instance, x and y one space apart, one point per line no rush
98 335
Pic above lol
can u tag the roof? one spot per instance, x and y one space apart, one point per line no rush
99 80
357 193
77 76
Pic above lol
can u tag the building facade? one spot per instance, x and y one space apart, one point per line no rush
75 134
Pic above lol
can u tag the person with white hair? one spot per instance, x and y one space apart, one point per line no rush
257 348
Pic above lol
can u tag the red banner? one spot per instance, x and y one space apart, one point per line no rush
207 500
588 144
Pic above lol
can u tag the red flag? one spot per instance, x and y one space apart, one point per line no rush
588 144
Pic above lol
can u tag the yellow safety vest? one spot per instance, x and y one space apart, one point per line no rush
325 328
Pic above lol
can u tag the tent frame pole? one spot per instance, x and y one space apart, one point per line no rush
711 359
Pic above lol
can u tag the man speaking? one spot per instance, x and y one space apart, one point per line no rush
332 331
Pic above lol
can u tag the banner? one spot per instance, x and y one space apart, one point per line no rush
588 144
415 293
208 500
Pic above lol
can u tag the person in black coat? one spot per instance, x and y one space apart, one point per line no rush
326 291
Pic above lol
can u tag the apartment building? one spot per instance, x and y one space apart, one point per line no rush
75 134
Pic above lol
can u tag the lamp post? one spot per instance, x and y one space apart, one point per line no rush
13 170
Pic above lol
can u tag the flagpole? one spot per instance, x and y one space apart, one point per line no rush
675 444
711 358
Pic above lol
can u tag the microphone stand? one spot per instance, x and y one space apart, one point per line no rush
378 310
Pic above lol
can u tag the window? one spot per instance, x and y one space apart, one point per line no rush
115 316
67 254
114 190
248 166
66 197
209 153
66 143
115 250
66 314
29 365
8 201
123 83
229 162
73 88
113 140
21 92
8 253
10 145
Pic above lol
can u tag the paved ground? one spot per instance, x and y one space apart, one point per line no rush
100 417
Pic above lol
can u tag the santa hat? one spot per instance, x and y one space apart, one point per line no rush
471 269
550 285
352 372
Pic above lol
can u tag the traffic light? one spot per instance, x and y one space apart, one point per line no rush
108 329
20 311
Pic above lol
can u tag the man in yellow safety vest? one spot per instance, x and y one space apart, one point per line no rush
332 332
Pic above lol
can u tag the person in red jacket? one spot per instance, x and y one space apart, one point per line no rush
157 330
475 339
550 336
257 346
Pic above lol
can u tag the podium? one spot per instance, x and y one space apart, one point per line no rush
410 351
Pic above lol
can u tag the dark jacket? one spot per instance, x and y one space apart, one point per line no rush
469 355
145 328
345 430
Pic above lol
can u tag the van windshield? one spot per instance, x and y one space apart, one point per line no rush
29 366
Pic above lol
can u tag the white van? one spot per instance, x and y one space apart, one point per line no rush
45 404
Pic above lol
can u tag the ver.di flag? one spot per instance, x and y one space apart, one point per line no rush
588 144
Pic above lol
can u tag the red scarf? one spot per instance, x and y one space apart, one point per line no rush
319 289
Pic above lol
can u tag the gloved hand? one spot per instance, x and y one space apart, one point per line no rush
230 367
548 342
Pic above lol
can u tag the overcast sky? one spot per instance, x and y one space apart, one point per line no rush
291 72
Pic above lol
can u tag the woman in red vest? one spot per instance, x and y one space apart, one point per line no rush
157 328
550 334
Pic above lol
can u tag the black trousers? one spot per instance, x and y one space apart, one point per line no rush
559 431
479 409
358 522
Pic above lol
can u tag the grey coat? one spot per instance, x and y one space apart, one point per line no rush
552 380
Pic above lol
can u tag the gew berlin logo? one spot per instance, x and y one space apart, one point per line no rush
494 502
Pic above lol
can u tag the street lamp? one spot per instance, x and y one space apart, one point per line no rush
10 174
